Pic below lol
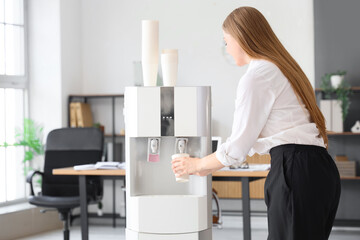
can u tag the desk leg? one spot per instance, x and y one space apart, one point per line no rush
114 203
246 208
125 199
83 208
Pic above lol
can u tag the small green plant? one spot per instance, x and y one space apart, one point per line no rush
326 85
100 126
29 137
342 92
340 73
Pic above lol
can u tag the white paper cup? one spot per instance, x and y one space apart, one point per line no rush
184 178
171 51
169 67
150 51
150 41
150 71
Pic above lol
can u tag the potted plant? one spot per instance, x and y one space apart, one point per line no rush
337 78
334 86
98 125
30 137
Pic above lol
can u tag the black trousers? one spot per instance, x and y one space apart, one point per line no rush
302 192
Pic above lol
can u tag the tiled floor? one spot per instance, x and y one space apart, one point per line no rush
230 231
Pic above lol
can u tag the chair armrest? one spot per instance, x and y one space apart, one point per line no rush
29 178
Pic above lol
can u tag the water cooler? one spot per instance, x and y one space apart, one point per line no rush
160 122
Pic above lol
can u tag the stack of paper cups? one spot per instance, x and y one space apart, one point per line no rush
169 66
150 51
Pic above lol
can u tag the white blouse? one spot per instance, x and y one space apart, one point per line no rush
267 114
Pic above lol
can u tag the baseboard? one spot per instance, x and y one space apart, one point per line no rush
347 223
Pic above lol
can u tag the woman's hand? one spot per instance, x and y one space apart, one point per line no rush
196 166
185 165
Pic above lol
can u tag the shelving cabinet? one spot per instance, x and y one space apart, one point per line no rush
347 143
113 136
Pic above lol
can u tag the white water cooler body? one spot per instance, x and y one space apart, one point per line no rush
157 119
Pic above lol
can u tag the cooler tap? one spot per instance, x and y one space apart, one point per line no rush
181 145
153 150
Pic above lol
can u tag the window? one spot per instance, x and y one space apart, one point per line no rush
12 58
13 89
12 179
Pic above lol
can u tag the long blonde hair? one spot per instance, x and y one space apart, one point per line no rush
254 34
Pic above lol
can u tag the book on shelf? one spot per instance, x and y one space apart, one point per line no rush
331 109
80 115
341 158
73 122
346 168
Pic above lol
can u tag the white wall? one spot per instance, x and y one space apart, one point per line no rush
89 46
71 75
45 63
111 42
54 59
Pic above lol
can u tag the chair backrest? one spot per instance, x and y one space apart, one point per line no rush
67 147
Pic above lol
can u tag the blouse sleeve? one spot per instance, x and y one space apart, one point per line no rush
254 101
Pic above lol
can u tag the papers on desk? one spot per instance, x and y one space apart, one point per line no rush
252 167
101 165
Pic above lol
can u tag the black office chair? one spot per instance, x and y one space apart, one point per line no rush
67 147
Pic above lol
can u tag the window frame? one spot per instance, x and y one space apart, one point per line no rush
20 82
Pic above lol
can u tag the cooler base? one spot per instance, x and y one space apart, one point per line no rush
168 214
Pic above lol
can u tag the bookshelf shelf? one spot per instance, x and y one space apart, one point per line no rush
355 89
116 135
96 96
350 178
343 134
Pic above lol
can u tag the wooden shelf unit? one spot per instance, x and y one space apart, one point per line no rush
84 98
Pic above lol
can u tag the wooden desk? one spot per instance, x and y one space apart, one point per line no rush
82 190
234 173
98 172
244 176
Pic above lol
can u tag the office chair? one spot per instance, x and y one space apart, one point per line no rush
217 217
67 147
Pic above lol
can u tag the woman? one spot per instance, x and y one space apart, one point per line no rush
276 113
